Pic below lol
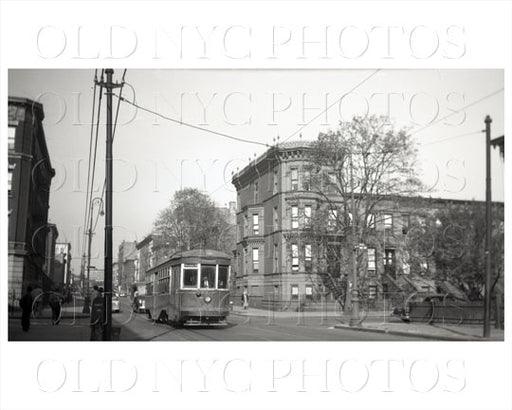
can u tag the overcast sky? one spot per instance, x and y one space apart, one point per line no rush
155 157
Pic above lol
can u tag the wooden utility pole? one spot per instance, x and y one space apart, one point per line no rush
488 222
109 86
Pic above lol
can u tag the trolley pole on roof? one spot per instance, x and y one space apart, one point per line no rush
109 86
488 223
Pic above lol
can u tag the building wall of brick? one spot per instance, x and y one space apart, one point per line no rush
272 186
28 198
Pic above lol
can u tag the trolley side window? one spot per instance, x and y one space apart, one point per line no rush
149 284
163 280
207 276
190 276
223 277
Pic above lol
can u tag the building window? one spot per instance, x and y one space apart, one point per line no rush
295 291
11 137
371 261
295 217
388 221
389 261
9 181
331 181
332 219
406 222
255 259
308 257
309 291
295 257
246 226
255 224
256 193
276 257
295 179
275 177
306 183
370 221
307 215
275 217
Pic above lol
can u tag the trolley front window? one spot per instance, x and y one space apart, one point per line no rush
190 276
223 277
207 276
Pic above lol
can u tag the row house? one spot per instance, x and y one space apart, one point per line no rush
279 258
126 266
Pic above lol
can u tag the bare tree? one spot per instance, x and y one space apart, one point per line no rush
354 170
192 221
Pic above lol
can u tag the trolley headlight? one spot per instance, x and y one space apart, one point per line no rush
207 299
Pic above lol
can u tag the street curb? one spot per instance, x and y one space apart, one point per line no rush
413 334
277 317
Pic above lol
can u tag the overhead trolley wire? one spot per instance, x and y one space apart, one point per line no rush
485 97
190 125
90 156
113 135
333 104
93 168
450 138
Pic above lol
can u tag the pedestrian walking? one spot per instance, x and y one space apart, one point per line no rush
245 300
56 306
26 309
97 318
95 293
37 301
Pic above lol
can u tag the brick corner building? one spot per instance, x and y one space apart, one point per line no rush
282 264
29 179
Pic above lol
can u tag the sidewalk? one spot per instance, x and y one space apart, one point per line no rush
68 311
469 332
41 330
382 322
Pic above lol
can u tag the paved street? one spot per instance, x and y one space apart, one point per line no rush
247 325
240 327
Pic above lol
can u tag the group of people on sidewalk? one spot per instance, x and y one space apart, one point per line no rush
30 303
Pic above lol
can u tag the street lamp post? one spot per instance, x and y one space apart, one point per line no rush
354 318
488 231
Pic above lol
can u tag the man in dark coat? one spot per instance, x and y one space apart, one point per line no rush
26 309
56 305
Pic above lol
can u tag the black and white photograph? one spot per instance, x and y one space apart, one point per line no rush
327 202
274 204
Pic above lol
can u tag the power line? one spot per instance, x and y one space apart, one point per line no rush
191 125
333 104
451 138
91 188
86 210
459 110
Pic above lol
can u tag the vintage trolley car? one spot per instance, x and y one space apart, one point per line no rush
191 287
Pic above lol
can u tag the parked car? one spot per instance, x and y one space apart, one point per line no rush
419 306
115 304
